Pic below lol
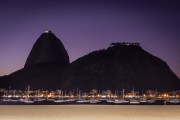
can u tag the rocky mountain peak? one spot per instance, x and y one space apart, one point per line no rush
48 48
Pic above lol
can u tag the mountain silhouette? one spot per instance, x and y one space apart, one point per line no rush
48 48
121 66
44 66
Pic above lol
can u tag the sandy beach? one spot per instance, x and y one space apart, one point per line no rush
89 112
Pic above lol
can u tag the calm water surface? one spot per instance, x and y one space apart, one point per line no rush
89 112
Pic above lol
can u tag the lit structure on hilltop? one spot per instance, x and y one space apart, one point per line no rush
48 31
125 44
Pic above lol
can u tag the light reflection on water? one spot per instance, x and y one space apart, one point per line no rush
89 112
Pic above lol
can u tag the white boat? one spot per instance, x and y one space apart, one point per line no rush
59 101
94 101
124 100
142 100
151 101
82 101
134 101
117 101
71 100
21 99
10 99
6 97
27 100
14 100
110 100
6 100
174 100
39 100
50 99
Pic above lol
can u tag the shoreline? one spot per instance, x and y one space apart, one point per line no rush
89 112
45 102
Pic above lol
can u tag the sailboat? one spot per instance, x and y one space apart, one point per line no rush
117 101
14 97
142 100
61 98
81 100
27 99
134 101
37 98
6 98
174 100
92 101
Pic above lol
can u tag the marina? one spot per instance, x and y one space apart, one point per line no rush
60 97
120 101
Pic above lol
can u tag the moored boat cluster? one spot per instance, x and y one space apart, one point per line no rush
93 97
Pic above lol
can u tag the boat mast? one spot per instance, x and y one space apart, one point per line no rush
123 93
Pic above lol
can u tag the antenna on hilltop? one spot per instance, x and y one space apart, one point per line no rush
48 31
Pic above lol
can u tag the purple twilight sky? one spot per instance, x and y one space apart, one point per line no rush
88 25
